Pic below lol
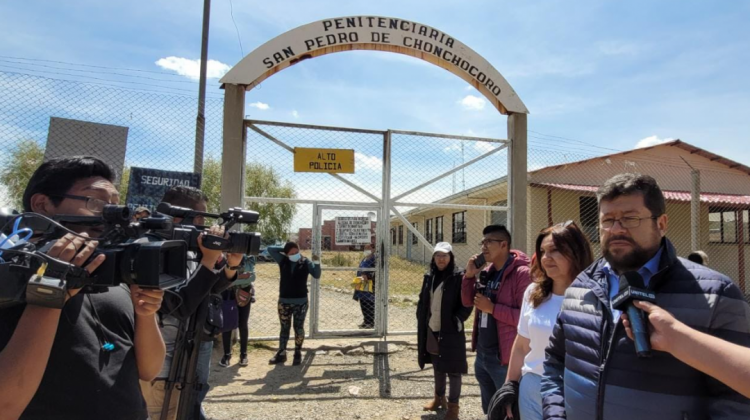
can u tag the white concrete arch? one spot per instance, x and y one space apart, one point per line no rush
379 34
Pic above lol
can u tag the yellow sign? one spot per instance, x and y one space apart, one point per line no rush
334 161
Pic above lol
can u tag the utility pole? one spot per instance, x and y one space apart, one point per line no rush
200 121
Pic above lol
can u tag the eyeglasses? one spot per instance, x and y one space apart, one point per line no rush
486 242
631 222
93 204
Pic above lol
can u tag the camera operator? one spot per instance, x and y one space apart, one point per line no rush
82 361
179 307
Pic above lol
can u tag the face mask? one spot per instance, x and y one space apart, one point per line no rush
368 253
295 257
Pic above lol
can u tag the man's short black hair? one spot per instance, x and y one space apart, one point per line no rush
629 184
499 230
184 196
57 176
290 246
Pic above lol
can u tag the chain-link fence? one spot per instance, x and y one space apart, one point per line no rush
461 179
315 201
562 187
42 117
447 188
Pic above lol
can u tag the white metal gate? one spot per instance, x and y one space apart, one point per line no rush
405 181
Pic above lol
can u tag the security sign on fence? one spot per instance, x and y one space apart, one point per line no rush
353 230
147 186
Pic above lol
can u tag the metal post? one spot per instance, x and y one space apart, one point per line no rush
317 248
381 316
200 121
740 226
517 179
234 147
695 211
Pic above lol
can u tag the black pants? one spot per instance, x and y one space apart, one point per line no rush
440 383
226 337
368 309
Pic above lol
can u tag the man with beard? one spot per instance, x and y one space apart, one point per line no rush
591 369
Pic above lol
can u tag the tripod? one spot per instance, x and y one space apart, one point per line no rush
183 372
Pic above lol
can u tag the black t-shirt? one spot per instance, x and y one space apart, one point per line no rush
488 340
82 381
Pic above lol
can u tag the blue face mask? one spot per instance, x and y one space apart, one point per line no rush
295 257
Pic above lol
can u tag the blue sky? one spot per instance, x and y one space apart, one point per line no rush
608 73
605 74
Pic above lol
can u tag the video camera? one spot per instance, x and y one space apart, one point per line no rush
29 274
247 243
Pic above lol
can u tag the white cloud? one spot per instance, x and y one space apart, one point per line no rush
191 68
259 105
651 141
617 48
367 162
470 87
472 102
295 114
452 148
484 147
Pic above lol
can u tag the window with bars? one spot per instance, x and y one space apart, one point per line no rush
428 230
439 229
726 225
589 216
414 239
400 234
393 236
459 228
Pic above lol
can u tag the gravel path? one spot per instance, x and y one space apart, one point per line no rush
337 380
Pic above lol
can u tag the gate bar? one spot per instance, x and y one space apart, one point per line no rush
278 200
315 127
444 174
448 136
414 231
452 206
384 239
291 150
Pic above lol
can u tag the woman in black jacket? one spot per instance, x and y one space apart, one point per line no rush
440 329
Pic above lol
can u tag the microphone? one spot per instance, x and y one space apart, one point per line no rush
632 288
174 211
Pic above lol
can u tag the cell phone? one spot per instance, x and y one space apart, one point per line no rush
479 261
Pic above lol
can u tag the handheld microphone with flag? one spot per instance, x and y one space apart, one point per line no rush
632 288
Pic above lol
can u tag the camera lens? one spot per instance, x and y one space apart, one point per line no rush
244 243
116 214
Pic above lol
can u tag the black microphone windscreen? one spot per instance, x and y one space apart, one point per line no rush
631 279
163 208
173 211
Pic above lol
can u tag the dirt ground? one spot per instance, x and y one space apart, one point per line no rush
338 311
337 379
